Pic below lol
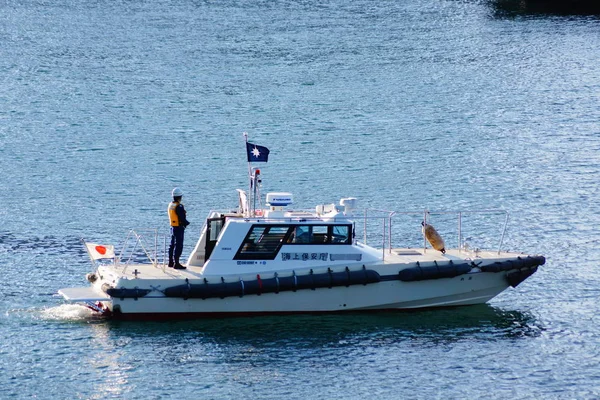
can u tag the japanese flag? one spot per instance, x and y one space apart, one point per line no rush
98 251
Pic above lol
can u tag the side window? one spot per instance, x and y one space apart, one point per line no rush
215 228
253 238
319 234
300 234
340 234
262 243
272 238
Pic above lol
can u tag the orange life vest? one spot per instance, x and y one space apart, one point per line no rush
173 217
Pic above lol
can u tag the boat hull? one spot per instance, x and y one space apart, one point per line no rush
468 289
407 280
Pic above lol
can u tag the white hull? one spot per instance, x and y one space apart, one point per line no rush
380 296
475 287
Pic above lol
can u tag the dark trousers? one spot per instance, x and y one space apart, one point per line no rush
176 247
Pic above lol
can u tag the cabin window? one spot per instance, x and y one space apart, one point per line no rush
320 234
301 234
340 234
214 227
262 242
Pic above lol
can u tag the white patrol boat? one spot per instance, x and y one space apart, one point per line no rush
270 260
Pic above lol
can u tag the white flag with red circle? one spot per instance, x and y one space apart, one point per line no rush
98 251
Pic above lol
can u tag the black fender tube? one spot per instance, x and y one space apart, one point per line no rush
435 271
527 262
276 284
123 293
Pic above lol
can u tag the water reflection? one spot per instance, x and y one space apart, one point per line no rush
513 8
253 351
108 363
105 361
472 323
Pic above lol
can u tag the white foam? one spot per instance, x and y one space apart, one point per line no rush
67 312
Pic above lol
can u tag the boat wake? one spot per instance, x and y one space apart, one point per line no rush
68 312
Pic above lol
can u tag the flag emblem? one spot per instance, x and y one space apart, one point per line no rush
100 249
257 153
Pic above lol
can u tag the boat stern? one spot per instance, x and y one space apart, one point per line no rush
89 296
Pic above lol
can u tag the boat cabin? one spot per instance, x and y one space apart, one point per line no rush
274 236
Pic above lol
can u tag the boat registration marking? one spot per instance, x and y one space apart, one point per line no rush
304 256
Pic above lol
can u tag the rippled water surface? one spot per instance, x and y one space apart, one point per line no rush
105 107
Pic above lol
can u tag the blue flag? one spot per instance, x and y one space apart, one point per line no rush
257 153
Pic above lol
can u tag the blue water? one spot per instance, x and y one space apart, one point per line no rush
443 104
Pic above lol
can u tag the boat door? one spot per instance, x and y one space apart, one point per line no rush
213 229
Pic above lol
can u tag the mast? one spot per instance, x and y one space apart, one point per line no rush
255 153
249 197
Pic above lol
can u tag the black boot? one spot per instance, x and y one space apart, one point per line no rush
178 266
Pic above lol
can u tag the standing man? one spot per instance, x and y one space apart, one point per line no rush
178 224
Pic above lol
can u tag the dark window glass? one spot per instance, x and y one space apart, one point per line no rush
215 228
320 234
262 242
340 234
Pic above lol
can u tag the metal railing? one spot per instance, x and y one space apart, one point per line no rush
146 240
387 218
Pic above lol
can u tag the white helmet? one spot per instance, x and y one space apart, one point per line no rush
177 192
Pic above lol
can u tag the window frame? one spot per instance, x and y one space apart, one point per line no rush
242 254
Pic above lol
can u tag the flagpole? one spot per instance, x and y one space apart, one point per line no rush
89 254
248 202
